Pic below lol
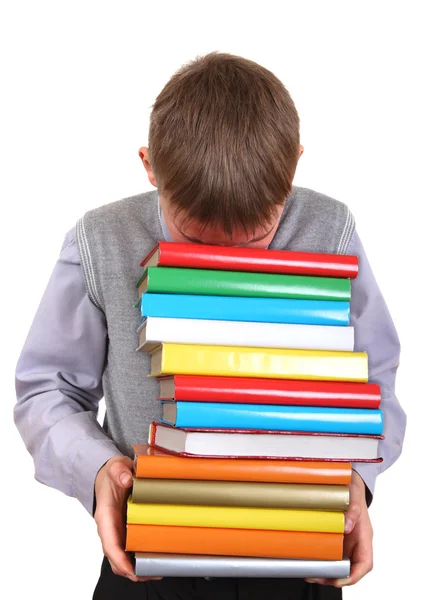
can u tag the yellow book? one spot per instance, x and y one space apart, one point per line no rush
241 361
235 517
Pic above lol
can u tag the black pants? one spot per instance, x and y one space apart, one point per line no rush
115 587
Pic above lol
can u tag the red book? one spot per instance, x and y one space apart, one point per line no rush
225 258
253 390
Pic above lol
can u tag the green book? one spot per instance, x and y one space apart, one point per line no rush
170 280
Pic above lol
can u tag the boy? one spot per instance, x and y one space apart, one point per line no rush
223 149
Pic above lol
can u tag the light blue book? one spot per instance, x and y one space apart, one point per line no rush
231 308
212 415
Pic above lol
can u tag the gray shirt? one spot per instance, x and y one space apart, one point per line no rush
59 376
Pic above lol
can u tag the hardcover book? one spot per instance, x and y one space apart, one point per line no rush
153 463
152 564
232 308
273 417
170 280
240 493
202 256
241 361
251 390
235 517
155 330
265 444
234 542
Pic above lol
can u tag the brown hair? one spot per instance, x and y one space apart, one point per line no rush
224 142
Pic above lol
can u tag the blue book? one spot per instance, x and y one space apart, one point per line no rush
212 415
231 308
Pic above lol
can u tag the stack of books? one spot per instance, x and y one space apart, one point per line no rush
259 381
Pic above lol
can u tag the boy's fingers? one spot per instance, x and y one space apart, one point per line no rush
120 563
361 564
129 575
110 529
333 582
362 560
358 570
352 516
109 518
120 472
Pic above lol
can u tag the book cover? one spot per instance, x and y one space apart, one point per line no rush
204 388
241 361
240 493
229 308
278 445
234 542
235 517
155 330
202 256
272 417
153 463
153 564
171 280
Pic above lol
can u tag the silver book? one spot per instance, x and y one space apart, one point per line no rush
151 564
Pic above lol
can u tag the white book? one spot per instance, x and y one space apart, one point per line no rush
258 444
156 330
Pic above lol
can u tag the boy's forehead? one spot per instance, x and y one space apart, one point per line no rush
196 232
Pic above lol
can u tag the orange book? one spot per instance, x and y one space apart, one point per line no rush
234 542
155 464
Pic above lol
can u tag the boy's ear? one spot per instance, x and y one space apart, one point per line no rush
300 150
143 153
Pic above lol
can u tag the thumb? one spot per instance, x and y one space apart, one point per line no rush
120 471
352 516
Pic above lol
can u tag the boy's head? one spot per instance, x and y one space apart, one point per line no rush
223 149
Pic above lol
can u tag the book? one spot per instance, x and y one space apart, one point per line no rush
235 517
153 564
229 308
265 444
240 493
234 542
149 462
171 280
272 417
204 388
155 330
202 256
241 361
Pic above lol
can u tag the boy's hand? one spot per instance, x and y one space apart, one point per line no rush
358 538
112 487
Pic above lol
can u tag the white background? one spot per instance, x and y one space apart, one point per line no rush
78 80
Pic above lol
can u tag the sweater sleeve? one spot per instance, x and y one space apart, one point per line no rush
375 334
59 383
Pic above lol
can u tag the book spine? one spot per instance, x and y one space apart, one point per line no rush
275 391
171 466
171 280
274 417
328 460
235 517
192 359
174 254
228 308
234 542
240 493
243 333
183 565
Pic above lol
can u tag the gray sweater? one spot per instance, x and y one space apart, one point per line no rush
82 342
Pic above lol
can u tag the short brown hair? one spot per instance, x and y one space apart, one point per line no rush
224 142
